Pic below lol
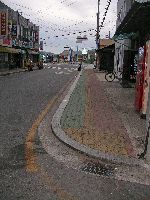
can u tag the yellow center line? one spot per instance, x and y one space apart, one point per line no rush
30 156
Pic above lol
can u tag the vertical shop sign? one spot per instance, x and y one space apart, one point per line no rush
3 23
36 36
9 27
41 45
14 30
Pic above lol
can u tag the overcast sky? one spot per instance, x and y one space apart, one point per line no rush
61 21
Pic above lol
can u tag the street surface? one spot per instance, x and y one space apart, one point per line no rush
34 164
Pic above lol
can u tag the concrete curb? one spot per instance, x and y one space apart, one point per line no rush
12 72
62 136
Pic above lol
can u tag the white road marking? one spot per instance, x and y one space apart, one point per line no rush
73 68
61 72
69 70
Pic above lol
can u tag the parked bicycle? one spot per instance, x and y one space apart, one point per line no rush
111 76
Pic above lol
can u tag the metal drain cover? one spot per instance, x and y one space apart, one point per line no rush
98 168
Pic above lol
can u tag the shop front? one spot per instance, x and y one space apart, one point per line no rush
137 22
132 28
106 56
4 64
145 108
10 58
132 25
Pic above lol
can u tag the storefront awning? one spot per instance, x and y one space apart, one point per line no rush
137 19
9 50
33 52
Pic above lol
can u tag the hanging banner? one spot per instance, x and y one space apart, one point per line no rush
37 36
3 22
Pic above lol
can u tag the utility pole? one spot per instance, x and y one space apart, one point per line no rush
77 54
97 31
98 36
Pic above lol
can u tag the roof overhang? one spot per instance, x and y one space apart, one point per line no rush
137 19
106 48
9 50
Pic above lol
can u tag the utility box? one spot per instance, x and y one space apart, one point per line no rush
140 79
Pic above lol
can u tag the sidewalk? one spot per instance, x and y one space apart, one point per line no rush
14 71
101 117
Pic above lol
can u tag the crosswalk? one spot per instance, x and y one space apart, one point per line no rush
60 69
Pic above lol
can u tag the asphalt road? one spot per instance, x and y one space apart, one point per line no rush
33 163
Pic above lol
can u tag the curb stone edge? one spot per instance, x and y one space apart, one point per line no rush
62 136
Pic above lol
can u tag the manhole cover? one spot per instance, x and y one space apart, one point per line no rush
98 168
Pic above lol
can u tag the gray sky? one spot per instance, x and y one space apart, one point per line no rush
62 18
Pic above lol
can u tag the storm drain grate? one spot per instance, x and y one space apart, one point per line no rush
99 169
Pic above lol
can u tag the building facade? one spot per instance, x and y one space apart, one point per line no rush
121 44
19 39
133 24
132 32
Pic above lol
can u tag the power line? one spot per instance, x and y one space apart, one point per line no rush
104 16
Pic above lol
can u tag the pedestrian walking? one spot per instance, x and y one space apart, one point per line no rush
80 66
94 64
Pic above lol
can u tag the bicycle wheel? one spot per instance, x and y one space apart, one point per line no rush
109 76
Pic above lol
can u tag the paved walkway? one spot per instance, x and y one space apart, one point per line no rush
101 115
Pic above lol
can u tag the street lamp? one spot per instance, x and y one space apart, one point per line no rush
98 34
